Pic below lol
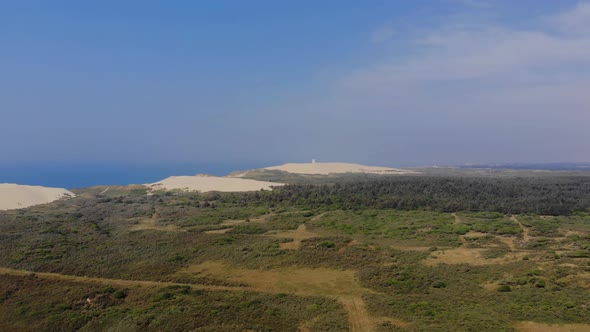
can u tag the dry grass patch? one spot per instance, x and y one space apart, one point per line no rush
472 256
540 327
295 280
580 279
152 224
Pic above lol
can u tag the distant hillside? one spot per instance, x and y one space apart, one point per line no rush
533 166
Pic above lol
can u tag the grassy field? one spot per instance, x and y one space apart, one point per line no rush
127 261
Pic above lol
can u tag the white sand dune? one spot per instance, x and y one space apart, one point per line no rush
334 168
202 183
14 196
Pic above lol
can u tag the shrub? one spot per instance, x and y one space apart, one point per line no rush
120 294
439 284
327 244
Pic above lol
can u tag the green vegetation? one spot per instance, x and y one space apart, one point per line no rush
421 254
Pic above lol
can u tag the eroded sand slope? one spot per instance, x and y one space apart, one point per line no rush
333 168
15 196
202 183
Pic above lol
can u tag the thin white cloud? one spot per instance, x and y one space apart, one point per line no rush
522 93
489 57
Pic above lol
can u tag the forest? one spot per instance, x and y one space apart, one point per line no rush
538 195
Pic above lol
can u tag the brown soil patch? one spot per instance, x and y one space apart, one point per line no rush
539 327
297 235
458 219
472 256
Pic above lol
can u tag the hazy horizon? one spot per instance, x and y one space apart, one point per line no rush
404 83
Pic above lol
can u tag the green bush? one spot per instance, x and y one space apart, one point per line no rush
439 284
327 244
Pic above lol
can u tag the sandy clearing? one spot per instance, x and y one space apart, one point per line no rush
472 256
211 183
335 168
295 280
540 327
14 196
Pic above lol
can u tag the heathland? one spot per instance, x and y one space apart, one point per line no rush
353 252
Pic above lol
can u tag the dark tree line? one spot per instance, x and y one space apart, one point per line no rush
548 196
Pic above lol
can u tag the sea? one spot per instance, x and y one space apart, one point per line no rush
73 175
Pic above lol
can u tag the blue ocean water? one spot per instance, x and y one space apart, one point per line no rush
81 175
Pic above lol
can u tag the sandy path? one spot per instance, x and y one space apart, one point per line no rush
526 233
116 282
358 316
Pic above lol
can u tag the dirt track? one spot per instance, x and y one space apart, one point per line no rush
116 282
526 233
358 317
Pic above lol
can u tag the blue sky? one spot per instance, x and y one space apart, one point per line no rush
379 82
